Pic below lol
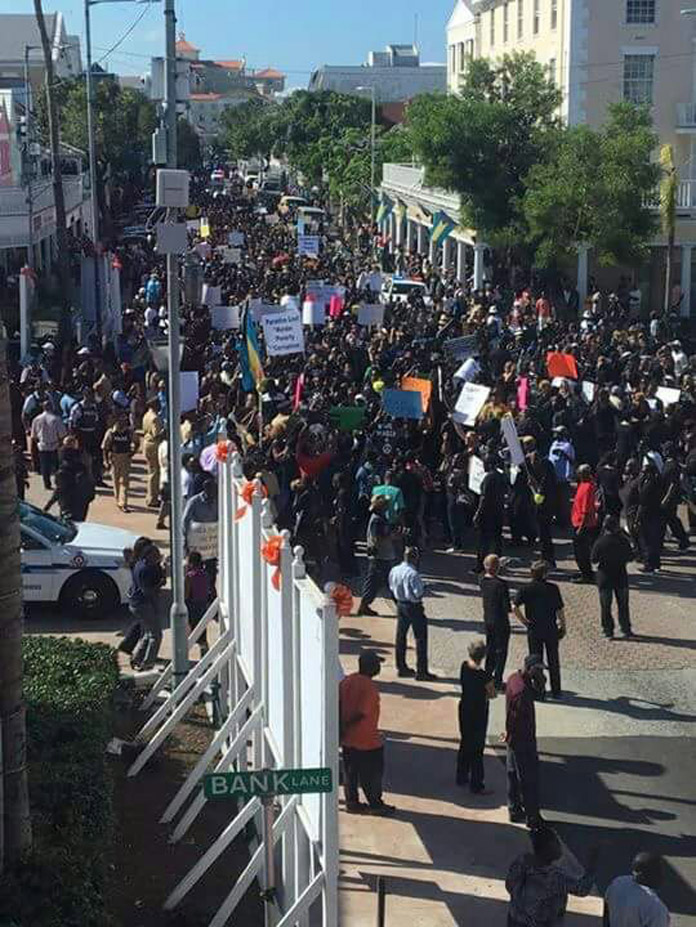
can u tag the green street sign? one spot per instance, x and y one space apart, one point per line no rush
265 783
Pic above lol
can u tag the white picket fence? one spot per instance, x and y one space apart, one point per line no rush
275 672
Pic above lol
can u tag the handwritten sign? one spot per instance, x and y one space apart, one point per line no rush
347 418
212 295
470 402
224 318
424 387
308 245
509 430
283 332
588 391
402 403
371 314
477 471
203 537
667 396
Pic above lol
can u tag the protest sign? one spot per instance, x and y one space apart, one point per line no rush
283 332
347 418
371 314
235 239
559 381
523 393
203 537
313 313
476 474
461 348
561 365
308 245
588 391
193 225
272 218
402 403
468 371
424 387
224 318
189 390
509 430
470 402
212 295
668 396
204 228
232 256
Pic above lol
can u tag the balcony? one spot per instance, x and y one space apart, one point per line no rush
686 197
686 118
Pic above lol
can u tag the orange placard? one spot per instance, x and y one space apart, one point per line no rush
561 365
424 387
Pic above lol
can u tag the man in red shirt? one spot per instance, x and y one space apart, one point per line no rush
362 743
585 524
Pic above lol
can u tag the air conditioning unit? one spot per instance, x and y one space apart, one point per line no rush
172 188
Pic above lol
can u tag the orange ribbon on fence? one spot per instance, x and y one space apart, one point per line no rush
270 551
343 599
222 451
246 494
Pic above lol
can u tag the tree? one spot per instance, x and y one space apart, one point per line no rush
483 142
593 188
13 770
250 129
668 212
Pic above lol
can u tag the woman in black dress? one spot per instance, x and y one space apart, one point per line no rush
477 690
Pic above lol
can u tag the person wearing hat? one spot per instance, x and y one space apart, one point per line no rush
407 588
381 553
522 761
544 619
362 744
632 900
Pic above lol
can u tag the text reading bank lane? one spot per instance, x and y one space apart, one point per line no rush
267 782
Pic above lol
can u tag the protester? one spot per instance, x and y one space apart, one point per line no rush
584 519
495 596
477 690
407 590
632 900
47 433
380 552
544 618
521 690
153 434
197 594
612 553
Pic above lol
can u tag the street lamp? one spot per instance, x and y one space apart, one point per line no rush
371 91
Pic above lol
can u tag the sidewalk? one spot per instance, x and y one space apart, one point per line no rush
446 853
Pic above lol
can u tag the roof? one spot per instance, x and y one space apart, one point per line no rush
183 45
20 29
205 97
269 73
230 65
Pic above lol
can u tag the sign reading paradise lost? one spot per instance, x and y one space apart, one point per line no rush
266 783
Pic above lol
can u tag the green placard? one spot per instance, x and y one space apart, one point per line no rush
347 418
266 782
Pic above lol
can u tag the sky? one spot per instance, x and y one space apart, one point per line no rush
295 37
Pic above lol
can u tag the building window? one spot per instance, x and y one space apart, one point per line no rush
537 17
639 71
453 58
640 11
554 13
469 49
492 34
520 18
506 21
462 57
552 70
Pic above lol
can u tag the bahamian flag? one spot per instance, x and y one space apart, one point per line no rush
385 209
442 228
250 354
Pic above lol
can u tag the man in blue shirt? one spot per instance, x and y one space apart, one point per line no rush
562 457
407 588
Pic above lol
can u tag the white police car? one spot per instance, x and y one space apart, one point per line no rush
80 566
398 289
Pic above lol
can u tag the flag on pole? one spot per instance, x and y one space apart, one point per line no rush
386 208
442 228
250 355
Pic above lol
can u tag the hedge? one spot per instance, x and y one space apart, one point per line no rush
68 688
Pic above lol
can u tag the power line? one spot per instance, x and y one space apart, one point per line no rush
136 22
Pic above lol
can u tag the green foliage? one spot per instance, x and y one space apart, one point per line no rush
483 142
592 188
69 686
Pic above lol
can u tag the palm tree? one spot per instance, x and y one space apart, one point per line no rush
668 212
13 767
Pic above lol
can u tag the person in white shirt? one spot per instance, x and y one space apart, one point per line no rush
631 900
47 433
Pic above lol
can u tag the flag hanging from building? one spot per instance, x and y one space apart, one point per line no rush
442 228
250 355
386 208
401 210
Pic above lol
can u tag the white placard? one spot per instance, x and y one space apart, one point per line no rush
512 439
272 218
224 318
559 381
189 390
588 390
203 537
232 256
212 295
469 370
477 471
313 313
288 300
235 239
308 245
470 402
371 314
667 395
283 333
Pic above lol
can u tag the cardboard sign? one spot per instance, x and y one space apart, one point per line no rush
189 390
424 387
667 396
235 239
461 348
224 318
232 256
347 418
402 403
468 371
512 439
561 365
588 391
283 332
476 474
523 393
203 537
470 402
205 228
308 245
313 313
212 295
371 314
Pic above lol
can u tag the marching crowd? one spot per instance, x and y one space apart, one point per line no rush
608 457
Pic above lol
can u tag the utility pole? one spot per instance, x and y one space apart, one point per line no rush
93 203
178 614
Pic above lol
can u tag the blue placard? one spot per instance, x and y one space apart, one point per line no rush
403 403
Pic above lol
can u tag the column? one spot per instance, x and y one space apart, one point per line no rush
478 266
685 310
583 252
393 223
420 237
409 235
461 261
398 227
432 251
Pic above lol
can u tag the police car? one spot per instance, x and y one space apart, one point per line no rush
80 566
398 289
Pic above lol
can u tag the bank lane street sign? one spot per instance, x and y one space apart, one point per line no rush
266 783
